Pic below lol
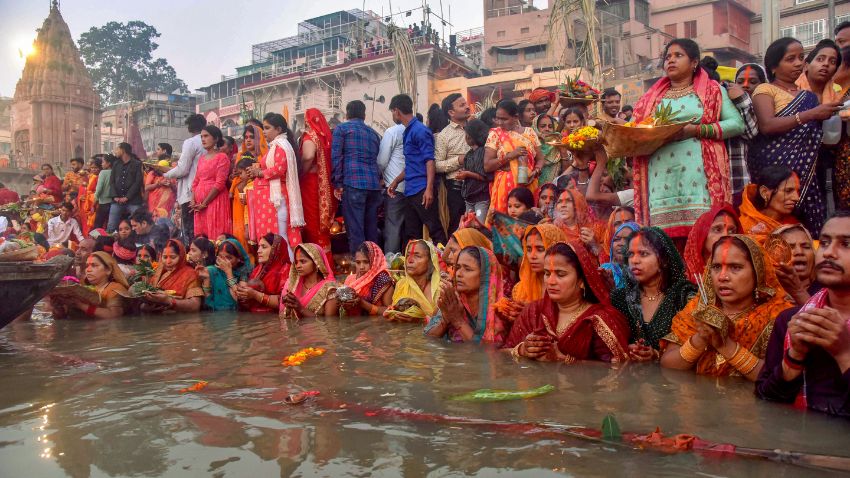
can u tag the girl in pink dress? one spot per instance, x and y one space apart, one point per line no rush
211 204
275 204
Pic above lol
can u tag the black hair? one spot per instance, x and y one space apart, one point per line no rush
109 159
709 64
207 248
770 177
97 161
402 103
126 147
355 109
248 129
774 54
841 26
419 117
449 101
269 237
522 195
215 133
127 220
610 92
2 185
839 212
256 123
531 216
627 108
524 104
278 121
195 123
67 205
364 249
48 165
473 252
758 69
152 250
229 140
142 215
437 120
574 110
478 131
304 251
229 248
652 238
41 240
77 160
130 245
566 251
509 107
554 187
244 163
689 46
825 43
166 148
487 116
102 242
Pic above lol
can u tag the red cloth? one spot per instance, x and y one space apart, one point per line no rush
699 233
8 196
318 215
53 184
215 219
263 214
715 158
273 273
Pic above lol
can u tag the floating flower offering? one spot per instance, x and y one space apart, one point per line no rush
196 387
299 357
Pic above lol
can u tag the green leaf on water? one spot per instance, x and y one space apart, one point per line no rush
610 428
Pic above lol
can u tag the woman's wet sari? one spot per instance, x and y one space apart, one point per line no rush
271 273
314 298
372 285
619 271
407 288
797 149
181 280
751 330
530 285
551 155
487 325
219 297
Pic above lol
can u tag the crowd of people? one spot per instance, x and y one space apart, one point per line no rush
715 254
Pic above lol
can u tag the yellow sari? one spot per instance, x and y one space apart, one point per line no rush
407 288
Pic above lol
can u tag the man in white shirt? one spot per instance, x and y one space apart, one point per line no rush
391 164
184 173
60 228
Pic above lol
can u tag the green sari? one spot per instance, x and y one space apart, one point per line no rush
551 155
219 297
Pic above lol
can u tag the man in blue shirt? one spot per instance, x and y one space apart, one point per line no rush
355 175
418 175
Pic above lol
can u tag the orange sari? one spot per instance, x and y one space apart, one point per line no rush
752 330
755 223
183 279
240 224
160 200
505 180
530 285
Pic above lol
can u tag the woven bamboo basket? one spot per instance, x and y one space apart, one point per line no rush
25 254
623 141
76 291
567 101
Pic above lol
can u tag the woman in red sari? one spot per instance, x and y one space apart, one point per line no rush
721 220
179 281
262 291
275 202
211 204
316 179
574 320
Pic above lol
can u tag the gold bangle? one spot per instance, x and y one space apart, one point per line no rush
744 361
515 351
797 117
689 353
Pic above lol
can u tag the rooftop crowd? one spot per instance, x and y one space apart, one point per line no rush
714 255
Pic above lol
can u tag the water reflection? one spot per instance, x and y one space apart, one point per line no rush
84 399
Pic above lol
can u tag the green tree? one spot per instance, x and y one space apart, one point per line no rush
119 58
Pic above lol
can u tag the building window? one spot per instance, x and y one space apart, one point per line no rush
500 34
800 2
535 52
671 30
506 56
642 11
841 19
808 33
691 29
524 30
618 8
335 95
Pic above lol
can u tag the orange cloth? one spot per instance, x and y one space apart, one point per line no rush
755 223
530 285
829 93
752 331
239 212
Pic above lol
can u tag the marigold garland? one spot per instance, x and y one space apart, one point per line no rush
196 387
299 357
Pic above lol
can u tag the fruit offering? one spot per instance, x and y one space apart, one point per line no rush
663 115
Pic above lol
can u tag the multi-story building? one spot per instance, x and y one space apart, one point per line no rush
161 118
334 59
805 20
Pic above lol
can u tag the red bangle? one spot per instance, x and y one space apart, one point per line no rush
91 310
791 362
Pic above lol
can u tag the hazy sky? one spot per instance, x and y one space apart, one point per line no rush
202 40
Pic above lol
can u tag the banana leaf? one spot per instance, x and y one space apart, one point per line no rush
488 395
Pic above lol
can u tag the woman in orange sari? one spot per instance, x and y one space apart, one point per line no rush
535 242
87 202
575 218
316 179
511 151
720 221
574 320
769 203
181 287
619 216
741 298
461 239
162 192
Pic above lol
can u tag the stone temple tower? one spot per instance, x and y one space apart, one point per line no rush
55 112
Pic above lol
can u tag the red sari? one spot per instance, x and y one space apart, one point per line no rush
319 214
694 260
272 274
600 333
182 280
215 219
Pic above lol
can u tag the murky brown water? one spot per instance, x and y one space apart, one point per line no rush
103 399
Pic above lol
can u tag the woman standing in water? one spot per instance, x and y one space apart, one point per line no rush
790 127
574 320
310 289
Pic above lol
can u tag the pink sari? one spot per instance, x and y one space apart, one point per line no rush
313 299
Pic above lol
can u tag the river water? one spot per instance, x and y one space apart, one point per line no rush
104 399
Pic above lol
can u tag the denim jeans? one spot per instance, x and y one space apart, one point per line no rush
118 212
360 211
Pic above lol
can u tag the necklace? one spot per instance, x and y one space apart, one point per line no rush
571 318
652 298
785 88
678 92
